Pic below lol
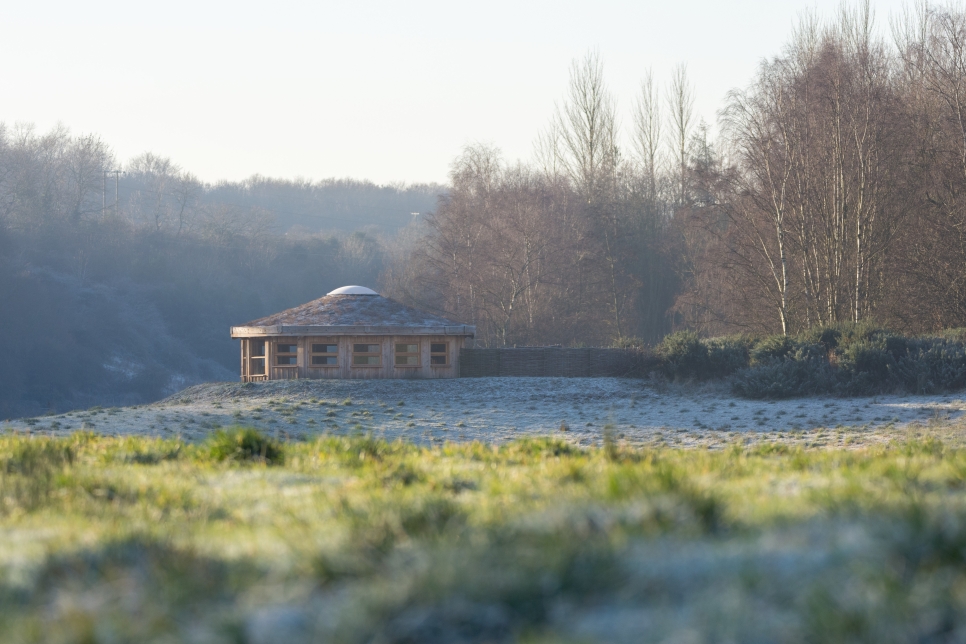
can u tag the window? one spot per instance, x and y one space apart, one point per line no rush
256 357
438 355
324 354
366 355
407 355
286 354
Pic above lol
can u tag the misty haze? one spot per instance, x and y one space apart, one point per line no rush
662 338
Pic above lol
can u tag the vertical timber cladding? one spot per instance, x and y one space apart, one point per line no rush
380 362
555 361
388 354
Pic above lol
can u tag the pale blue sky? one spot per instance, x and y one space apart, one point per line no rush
387 91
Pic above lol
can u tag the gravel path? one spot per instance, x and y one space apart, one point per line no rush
500 409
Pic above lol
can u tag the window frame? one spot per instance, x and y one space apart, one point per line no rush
436 354
368 354
278 354
327 354
252 357
406 354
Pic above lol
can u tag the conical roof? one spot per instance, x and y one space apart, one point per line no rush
360 314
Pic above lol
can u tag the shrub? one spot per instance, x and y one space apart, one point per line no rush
32 456
29 468
932 365
866 367
684 356
244 444
773 347
827 336
784 378
782 347
727 355
844 359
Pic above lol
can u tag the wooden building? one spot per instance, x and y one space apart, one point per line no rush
353 332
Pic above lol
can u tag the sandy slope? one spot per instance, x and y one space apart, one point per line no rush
499 409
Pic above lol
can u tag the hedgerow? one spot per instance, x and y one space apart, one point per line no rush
843 360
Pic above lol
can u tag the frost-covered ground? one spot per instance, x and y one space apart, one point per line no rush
502 409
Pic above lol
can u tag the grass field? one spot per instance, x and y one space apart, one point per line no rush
353 539
498 410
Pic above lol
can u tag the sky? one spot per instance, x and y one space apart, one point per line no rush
385 91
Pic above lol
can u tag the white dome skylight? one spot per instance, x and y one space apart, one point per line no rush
352 290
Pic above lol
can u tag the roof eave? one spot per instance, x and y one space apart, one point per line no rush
286 330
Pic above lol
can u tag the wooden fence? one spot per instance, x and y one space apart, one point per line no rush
556 361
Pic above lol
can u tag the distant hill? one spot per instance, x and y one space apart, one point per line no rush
118 288
331 204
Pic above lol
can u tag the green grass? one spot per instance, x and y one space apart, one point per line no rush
244 444
357 540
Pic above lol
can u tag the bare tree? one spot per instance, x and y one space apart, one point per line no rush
587 127
648 131
154 176
817 195
547 151
185 193
758 125
500 252
932 44
680 99
587 123
86 158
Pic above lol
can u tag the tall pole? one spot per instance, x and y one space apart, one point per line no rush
117 173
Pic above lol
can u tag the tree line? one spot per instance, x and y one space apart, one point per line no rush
122 293
572 248
834 191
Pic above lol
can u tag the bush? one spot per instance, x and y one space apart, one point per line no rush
33 456
785 347
932 365
242 444
727 355
827 336
866 367
773 347
785 378
29 469
844 359
684 356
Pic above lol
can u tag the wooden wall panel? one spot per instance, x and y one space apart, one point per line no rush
345 368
